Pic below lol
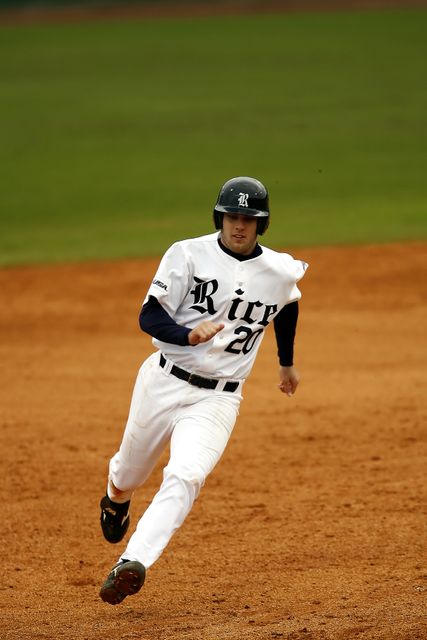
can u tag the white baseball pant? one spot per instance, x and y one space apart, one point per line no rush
197 423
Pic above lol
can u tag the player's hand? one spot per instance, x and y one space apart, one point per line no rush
289 379
204 332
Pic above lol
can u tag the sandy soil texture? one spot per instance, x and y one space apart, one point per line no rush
313 525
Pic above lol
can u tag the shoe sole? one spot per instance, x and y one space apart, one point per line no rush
127 581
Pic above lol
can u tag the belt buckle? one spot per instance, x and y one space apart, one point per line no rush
189 379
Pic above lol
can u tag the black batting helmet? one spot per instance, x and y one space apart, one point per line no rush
246 196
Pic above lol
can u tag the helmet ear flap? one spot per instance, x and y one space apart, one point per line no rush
218 218
262 225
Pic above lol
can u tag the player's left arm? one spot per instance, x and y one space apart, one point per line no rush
285 324
288 380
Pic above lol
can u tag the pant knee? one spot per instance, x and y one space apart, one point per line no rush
192 478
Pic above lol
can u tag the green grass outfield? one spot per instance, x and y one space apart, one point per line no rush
115 137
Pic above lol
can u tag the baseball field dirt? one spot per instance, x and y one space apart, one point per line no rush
313 525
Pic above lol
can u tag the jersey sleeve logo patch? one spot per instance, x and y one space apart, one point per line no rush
160 284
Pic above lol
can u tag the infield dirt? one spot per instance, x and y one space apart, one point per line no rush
313 525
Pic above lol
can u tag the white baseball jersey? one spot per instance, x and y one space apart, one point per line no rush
196 280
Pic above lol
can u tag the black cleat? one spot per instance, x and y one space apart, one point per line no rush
125 579
114 519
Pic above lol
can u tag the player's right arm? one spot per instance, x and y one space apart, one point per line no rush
204 332
155 320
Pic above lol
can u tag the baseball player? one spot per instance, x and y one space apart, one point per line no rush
206 309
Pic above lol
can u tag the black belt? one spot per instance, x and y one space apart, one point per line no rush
197 381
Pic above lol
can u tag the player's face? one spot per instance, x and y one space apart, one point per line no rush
239 233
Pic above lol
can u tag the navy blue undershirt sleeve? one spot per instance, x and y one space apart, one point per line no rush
155 321
285 324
